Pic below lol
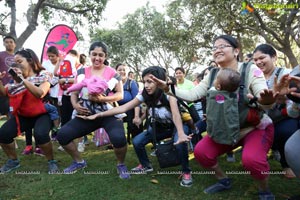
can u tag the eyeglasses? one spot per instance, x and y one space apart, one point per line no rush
222 46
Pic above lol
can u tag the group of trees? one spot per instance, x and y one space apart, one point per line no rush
181 36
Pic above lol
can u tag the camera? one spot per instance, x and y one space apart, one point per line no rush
14 75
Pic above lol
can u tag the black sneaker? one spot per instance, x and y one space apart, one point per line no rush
141 169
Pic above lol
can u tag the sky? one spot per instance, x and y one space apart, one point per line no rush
114 12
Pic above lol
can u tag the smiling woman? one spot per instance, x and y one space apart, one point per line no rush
251 138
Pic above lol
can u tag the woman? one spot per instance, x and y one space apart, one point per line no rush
256 143
130 89
166 114
51 65
36 82
264 56
78 127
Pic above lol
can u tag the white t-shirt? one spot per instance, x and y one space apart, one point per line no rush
50 68
162 114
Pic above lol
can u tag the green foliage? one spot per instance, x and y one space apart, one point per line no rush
279 27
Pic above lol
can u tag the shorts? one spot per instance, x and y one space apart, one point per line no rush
4 105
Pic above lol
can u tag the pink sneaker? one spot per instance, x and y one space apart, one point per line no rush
28 150
38 151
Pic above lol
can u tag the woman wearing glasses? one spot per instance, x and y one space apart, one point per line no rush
32 79
256 143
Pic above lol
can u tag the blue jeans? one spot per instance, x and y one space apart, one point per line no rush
142 139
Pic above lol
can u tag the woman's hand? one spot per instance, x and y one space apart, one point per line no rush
80 109
267 97
137 121
90 117
97 98
183 138
293 90
2 74
62 81
282 87
160 83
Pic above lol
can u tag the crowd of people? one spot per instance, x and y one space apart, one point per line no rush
252 104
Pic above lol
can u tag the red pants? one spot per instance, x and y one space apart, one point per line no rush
256 145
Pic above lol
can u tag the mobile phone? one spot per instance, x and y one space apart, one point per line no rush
14 75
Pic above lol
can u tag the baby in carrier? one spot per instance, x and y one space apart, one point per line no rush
95 85
229 80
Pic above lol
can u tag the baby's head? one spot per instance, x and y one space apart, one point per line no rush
227 79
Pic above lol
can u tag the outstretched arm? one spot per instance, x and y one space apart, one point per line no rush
116 110
182 137
193 94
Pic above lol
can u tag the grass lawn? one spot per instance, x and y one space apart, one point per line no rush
100 180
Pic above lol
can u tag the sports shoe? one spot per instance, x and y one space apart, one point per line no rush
75 166
186 180
86 140
230 157
53 138
80 147
123 171
60 148
9 166
39 152
141 169
28 150
276 155
221 185
52 165
266 195
153 153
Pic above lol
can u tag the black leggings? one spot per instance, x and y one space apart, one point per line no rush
66 110
78 127
41 125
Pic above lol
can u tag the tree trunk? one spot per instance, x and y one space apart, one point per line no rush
292 58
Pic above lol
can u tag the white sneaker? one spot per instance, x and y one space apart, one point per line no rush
81 147
60 148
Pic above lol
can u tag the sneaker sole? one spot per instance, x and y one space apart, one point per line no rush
73 172
183 185
11 169
26 154
38 154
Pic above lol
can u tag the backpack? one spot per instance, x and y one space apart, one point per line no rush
234 105
65 71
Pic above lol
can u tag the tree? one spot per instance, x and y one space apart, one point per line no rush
50 12
279 27
148 38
